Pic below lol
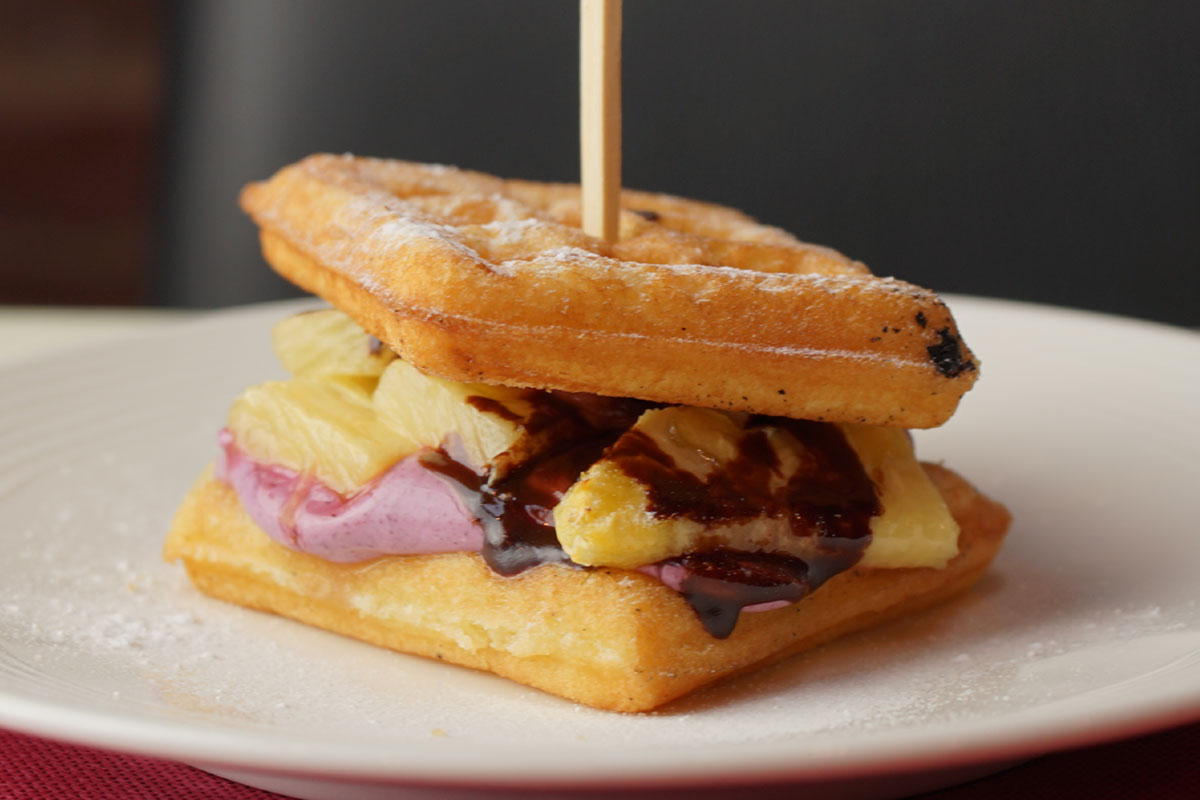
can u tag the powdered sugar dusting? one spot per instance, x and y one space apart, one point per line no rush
507 232
560 260
379 223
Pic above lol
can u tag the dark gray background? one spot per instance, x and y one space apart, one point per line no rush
1044 150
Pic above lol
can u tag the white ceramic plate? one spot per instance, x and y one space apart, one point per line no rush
1086 628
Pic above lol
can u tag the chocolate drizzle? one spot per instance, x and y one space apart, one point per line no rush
828 495
489 405
720 583
517 509
574 414
516 513
828 499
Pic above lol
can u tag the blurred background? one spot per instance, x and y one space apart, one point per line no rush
1045 150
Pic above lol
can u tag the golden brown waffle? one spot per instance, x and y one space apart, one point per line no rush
480 279
609 638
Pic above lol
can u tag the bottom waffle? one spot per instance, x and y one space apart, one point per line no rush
612 639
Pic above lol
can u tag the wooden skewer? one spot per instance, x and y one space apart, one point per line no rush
600 115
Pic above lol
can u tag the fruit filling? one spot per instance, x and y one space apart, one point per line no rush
359 455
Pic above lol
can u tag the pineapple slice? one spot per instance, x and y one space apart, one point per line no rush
915 528
327 343
345 425
486 420
604 518
328 429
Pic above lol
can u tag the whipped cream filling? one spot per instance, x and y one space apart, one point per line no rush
407 510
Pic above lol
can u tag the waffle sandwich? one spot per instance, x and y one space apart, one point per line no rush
615 471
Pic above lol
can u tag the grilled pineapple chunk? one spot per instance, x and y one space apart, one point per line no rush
327 343
354 409
915 528
328 429
604 518
485 420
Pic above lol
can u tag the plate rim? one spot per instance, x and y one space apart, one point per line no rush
205 746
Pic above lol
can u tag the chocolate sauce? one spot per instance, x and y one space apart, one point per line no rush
519 520
829 499
829 495
571 415
491 406
517 510
719 584
584 414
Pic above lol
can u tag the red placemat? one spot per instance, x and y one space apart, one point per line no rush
1160 765
1163 765
39 769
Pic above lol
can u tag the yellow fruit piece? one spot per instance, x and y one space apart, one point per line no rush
328 429
327 343
348 416
915 528
698 439
603 520
484 420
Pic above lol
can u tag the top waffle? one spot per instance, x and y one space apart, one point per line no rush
476 278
